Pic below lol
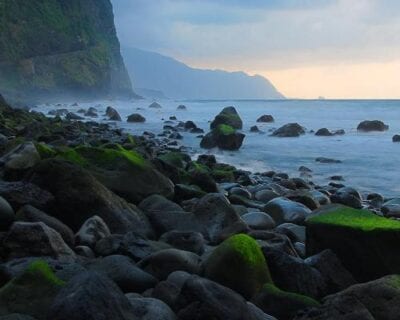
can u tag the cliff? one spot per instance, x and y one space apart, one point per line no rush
60 48
177 80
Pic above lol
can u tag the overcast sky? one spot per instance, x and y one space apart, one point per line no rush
332 48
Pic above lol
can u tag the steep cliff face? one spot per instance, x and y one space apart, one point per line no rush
60 47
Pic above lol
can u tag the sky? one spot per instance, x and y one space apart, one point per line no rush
307 48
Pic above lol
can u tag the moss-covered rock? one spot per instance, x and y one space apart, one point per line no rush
239 264
60 47
282 304
366 244
123 171
228 116
32 292
224 137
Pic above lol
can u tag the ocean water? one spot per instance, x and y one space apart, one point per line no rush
370 161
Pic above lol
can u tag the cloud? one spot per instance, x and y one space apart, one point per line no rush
262 34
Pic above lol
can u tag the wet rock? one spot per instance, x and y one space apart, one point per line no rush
324 132
373 125
254 129
347 196
35 239
258 220
150 308
185 240
113 114
327 160
155 105
92 230
136 117
181 107
7 215
266 118
73 116
284 210
229 117
396 138
289 130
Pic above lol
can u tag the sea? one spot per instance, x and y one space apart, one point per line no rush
370 161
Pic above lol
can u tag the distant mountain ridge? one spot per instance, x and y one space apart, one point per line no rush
175 79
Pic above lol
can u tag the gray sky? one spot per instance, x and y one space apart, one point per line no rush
282 39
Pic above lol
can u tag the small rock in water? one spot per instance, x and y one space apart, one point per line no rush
396 138
136 117
181 107
155 105
373 125
327 160
266 118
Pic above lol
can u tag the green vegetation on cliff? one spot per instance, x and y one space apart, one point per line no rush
55 46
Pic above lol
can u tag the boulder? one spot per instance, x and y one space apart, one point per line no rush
91 296
125 172
215 214
31 292
155 105
79 196
283 210
181 107
391 208
357 237
378 299
254 129
7 215
185 240
91 112
124 273
372 125
136 117
327 160
396 138
29 213
92 230
150 308
258 220
21 158
348 196
224 137
324 132
162 263
208 300
73 116
289 130
266 118
229 117
282 304
35 239
239 264
113 114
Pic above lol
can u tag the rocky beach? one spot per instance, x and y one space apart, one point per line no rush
97 223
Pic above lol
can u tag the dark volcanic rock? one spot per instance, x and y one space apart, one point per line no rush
136 117
324 132
396 138
113 114
224 137
91 296
373 125
289 130
266 118
228 116
78 196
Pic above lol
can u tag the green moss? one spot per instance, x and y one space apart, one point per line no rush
199 167
223 175
239 264
394 281
176 159
45 151
41 269
356 219
271 290
225 130
72 156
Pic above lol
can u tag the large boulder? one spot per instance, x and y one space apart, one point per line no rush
357 237
228 116
79 196
31 292
266 118
224 137
125 172
150 308
91 296
29 213
20 159
239 264
347 196
136 117
379 299
203 299
372 125
35 239
215 214
7 216
92 230
113 114
283 210
124 273
289 130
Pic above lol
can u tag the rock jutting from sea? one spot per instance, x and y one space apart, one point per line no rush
96 223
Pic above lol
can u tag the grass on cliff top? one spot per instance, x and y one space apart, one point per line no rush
225 129
356 219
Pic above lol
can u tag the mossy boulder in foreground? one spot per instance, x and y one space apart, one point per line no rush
282 304
123 171
32 292
239 264
224 137
366 243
